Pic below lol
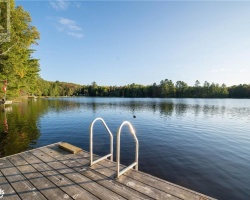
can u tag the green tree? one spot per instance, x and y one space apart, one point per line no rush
205 89
16 62
167 88
197 89
181 89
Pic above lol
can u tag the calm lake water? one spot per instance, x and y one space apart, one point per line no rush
201 144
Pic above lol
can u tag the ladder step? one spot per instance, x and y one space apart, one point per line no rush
126 169
102 158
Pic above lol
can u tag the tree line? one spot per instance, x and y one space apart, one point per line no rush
165 89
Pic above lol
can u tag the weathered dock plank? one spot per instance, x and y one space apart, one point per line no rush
154 186
23 187
83 168
43 184
54 173
135 178
69 187
7 189
149 180
86 183
127 181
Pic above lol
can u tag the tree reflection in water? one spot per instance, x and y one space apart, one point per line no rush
18 127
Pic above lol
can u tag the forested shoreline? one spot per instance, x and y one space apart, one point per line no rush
165 89
19 73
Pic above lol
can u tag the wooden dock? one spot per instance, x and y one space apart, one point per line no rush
53 173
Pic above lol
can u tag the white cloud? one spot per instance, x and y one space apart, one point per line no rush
59 4
69 24
76 35
64 5
70 27
218 70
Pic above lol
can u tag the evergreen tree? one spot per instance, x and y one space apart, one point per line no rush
16 62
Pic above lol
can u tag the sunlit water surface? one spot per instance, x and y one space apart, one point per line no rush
201 144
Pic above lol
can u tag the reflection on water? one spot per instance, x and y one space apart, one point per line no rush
18 130
202 144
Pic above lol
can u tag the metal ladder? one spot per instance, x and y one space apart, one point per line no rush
133 165
91 143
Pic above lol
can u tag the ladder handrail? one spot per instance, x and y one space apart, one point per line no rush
91 142
135 164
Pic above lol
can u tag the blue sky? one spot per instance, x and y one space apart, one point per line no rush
124 42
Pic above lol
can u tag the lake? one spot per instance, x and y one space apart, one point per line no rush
201 144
